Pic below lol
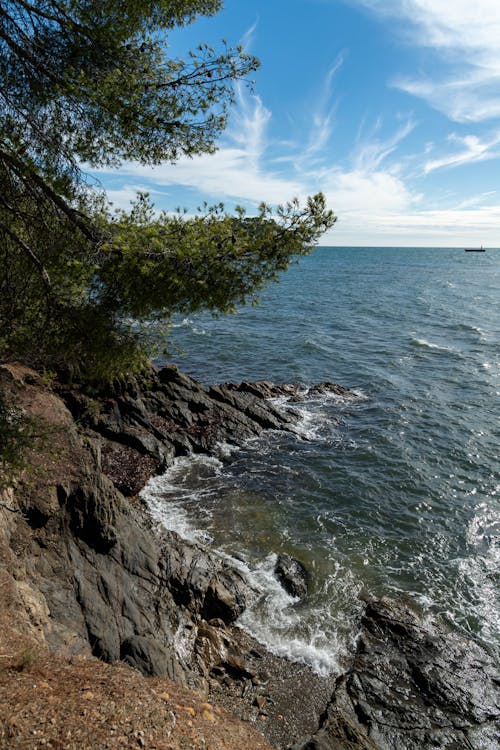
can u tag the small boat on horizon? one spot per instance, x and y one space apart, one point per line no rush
475 249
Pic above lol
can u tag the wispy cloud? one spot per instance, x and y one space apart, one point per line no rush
249 128
465 35
122 197
250 167
247 38
467 98
370 187
477 201
237 171
472 149
322 119
371 152
456 226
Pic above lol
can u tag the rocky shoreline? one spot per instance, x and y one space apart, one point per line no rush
89 574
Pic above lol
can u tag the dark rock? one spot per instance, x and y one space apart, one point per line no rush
211 645
320 389
264 389
146 589
226 603
206 586
150 657
170 414
92 506
103 579
292 575
414 685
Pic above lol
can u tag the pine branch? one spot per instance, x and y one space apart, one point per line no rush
26 248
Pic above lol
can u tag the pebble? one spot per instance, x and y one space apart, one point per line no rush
188 709
209 716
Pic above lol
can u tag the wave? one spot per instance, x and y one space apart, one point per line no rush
186 482
190 324
468 328
424 344
186 500
312 345
316 422
277 620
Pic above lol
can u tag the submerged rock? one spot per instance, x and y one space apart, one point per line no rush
292 575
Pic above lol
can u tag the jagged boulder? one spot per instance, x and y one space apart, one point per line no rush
414 684
292 575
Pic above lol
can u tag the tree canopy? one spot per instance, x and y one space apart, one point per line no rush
92 83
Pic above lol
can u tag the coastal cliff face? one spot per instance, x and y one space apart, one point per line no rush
85 573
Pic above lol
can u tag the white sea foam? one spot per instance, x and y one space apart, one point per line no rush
273 617
166 495
189 323
278 623
474 606
311 423
185 323
315 419
424 344
376 488
225 450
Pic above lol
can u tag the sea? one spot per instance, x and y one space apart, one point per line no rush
393 490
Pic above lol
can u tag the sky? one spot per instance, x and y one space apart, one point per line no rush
390 107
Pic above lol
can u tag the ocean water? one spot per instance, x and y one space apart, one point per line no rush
394 490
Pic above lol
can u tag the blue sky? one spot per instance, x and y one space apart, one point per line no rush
390 107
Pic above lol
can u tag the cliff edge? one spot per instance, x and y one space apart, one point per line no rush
94 599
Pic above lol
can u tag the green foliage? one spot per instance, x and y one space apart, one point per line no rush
212 261
89 80
91 83
26 660
17 432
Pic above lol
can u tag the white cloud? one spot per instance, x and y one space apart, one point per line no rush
372 152
471 98
452 227
445 24
375 202
364 193
242 169
476 201
473 149
247 39
466 35
236 171
322 119
122 197
467 226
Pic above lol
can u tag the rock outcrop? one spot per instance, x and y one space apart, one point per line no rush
144 424
83 571
414 685
292 575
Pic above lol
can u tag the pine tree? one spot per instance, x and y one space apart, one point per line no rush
91 83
